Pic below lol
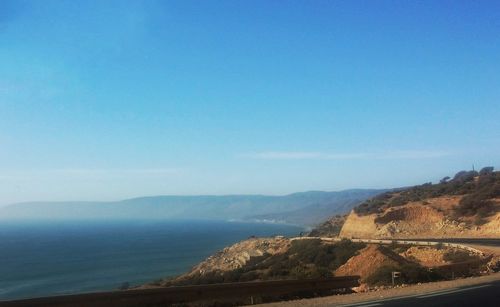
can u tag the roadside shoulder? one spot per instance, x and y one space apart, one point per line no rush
411 290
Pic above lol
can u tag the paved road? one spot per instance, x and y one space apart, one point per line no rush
483 295
484 242
464 242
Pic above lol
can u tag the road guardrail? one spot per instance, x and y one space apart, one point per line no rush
179 294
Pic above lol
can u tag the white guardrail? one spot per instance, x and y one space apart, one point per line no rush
402 242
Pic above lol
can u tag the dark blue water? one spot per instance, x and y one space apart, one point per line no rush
40 259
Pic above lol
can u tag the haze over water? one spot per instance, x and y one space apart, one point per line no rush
102 101
53 258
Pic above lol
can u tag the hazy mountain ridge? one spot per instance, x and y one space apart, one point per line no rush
243 207
317 213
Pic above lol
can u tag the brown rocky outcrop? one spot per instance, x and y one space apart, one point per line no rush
237 255
369 260
426 256
433 219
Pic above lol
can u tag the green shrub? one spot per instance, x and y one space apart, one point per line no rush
398 248
478 221
308 258
456 256
414 273
411 273
486 170
478 193
383 275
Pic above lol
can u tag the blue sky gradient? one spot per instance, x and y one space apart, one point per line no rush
103 100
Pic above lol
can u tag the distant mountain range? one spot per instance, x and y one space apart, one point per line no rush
305 208
334 203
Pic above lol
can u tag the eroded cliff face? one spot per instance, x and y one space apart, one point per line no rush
432 218
369 260
357 226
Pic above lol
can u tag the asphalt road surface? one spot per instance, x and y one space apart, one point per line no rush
483 295
484 242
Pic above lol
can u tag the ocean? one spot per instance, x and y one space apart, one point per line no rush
55 258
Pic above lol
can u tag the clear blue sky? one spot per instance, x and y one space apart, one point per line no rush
104 100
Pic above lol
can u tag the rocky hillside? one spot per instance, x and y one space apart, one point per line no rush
268 259
467 205
369 260
329 228
280 258
376 262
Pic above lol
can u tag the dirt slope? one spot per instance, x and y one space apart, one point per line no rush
416 220
369 260
466 206
426 256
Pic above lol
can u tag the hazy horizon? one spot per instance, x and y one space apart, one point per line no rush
177 195
119 99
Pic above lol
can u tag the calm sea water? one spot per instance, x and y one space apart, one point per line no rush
40 259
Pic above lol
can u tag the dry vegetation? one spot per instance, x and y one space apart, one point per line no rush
466 206
330 228
280 258
477 188
298 259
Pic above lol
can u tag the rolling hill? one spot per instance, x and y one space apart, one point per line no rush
310 205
